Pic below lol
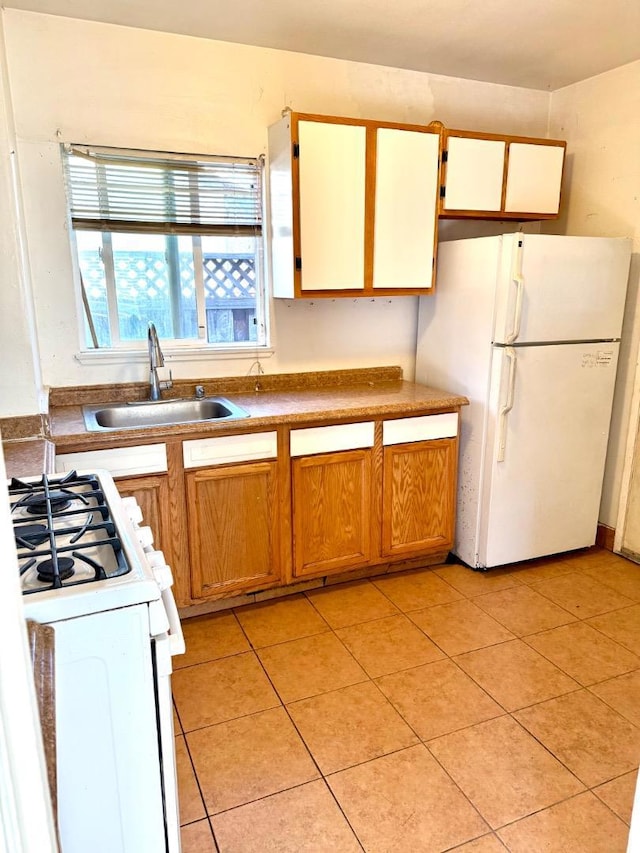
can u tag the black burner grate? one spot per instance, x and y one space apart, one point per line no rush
64 532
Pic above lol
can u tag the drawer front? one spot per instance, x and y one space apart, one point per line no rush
229 448
404 430
119 461
329 439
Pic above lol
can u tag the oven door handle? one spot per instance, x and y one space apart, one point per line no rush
176 636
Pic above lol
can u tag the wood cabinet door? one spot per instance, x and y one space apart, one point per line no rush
419 482
233 528
331 512
406 199
152 495
331 187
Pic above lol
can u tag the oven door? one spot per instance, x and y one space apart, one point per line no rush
109 768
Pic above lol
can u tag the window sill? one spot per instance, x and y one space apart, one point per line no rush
126 356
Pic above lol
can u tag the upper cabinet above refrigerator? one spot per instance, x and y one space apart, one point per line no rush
353 207
489 176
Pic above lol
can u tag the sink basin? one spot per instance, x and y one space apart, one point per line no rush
160 413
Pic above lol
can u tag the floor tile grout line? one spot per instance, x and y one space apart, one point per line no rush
595 627
605 803
313 759
424 744
568 674
322 775
175 711
587 688
337 587
608 704
548 749
213 833
283 791
492 833
582 618
546 808
578 686
200 791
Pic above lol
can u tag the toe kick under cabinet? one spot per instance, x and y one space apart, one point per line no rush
241 513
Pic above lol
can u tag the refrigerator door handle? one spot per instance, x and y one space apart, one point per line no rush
518 279
504 411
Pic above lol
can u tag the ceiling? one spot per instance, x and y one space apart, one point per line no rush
539 44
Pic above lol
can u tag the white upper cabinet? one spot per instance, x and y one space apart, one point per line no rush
407 167
331 188
475 170
500 177
534 176
353 207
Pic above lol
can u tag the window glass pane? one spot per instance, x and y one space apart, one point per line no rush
187 289
90 259
230 271
148 276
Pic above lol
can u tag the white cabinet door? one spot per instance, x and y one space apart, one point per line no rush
405 208
332 186
533 178
475 170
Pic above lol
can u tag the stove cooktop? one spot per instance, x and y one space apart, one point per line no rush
65 533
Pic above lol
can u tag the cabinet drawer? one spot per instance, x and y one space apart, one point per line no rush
330 439
422 428
229 448
119 461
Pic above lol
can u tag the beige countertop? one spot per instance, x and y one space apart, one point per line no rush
356 395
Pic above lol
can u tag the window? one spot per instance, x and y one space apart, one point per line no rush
173 240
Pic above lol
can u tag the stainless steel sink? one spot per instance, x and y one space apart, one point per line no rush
160 413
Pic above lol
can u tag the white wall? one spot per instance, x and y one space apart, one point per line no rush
19 362
600 118
102 84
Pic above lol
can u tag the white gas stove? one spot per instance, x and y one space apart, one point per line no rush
88 568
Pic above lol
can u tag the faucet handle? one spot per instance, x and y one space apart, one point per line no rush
199 392
166 384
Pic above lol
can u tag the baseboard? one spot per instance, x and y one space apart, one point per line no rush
605 537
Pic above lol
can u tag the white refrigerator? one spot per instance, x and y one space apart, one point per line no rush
527 326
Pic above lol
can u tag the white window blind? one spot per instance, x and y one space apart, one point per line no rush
114 190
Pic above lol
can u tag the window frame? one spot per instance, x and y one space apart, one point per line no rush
176 348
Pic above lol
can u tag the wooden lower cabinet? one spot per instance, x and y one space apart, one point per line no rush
419 484
151 491
233 527
332 500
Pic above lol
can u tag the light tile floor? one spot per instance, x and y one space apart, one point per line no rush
440 709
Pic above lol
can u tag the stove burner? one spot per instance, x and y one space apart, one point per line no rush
46 571
31 534
38 504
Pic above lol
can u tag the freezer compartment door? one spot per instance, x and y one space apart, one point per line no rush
553 288
545 454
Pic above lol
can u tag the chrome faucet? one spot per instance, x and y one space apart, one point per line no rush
156 360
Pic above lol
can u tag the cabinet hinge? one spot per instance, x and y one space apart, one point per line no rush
298 264
442 192
296 150
445 156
